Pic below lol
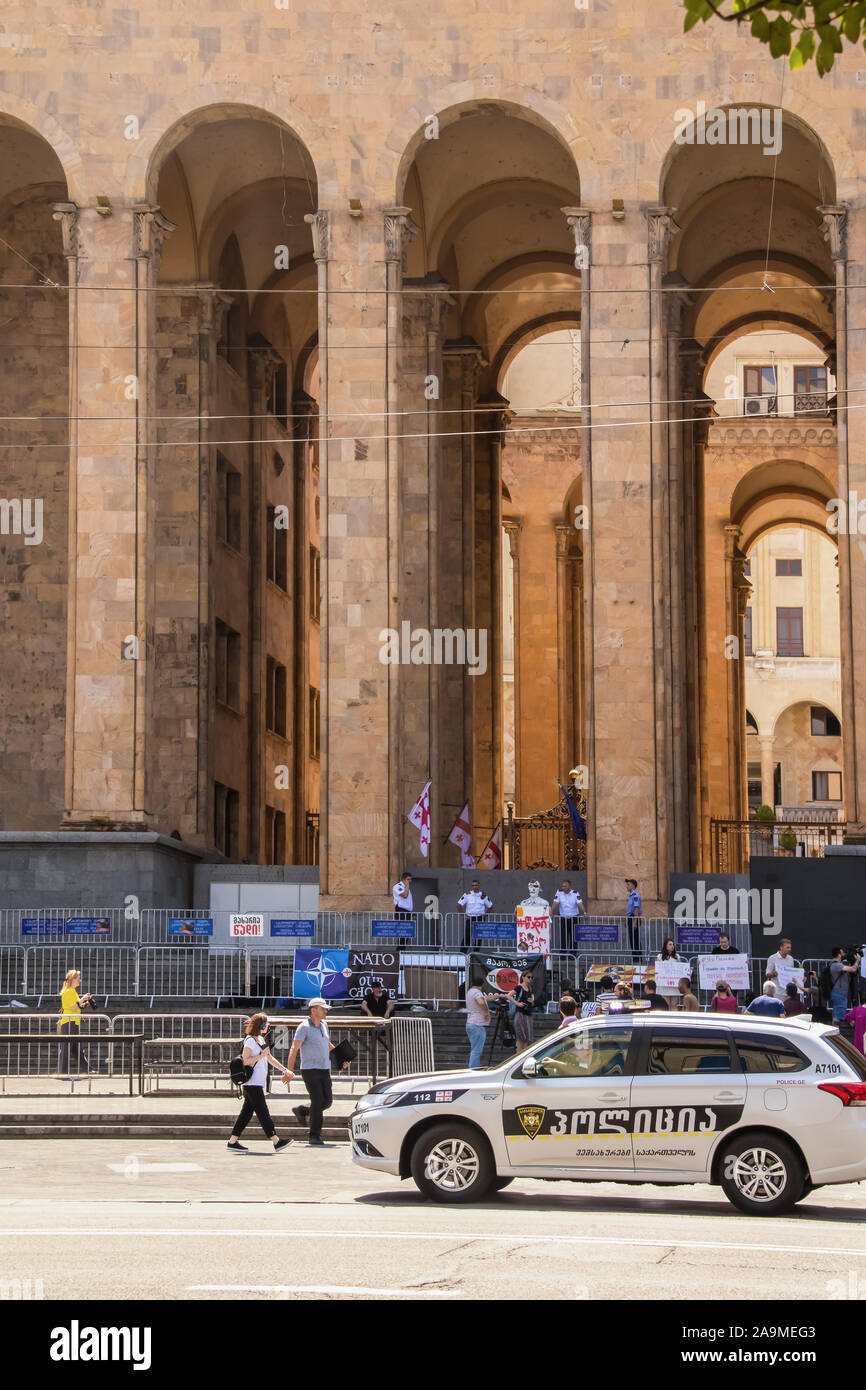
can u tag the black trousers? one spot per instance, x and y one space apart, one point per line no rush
254 1104
72 1054
634 924
321 1093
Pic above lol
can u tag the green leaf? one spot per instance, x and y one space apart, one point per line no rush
824 58
805 48
780 37
761 26
851 24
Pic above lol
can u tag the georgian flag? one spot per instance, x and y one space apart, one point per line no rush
419 816
492 856
461 836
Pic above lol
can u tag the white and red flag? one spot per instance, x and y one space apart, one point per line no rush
461 836
492 856
419 816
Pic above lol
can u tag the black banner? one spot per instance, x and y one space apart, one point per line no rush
366 966
501 971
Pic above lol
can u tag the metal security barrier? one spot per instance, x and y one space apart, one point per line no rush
170 973
87 926
156 928
417 930
104 969
412 1046
12 970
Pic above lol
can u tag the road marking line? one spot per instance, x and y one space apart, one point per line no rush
321 1288
662 1242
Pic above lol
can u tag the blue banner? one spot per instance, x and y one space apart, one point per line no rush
190 926
387 926
284 926
88 926
48 926
592 931
493 931
698 936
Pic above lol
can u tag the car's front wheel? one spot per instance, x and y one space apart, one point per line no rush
761 1174
453 1163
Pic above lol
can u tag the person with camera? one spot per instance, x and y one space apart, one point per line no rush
843 964
257 1056
71 1002
523 1000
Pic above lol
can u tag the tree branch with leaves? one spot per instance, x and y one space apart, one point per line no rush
815 29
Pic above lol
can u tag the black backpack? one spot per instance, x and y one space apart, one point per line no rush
239 1072
825 982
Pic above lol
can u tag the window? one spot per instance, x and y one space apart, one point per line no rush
315 582
789 568
278 549
855 1059
227 665
587 1052
312 838
747 635
226 804
754 784
810 389
826 786
275 698
275 835
678 1053
768 1054
789 632
824 722
314 723
761 381
228 503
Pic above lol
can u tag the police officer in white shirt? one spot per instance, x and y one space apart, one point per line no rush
570 906
402 893
474 903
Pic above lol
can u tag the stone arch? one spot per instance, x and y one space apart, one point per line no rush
18 114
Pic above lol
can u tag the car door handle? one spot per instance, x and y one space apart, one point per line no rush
727 1095
613 1095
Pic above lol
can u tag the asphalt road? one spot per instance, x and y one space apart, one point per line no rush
185 1220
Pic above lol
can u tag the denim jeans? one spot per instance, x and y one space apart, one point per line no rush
477 1035
840 1005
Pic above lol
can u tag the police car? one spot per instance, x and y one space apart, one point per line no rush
769 1110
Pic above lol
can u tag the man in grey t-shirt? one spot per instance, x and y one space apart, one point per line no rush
477 1019
312 1041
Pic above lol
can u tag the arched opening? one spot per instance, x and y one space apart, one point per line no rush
756 376
34 445
495 254
237 303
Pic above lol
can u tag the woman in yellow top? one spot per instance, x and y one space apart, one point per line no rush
71 1001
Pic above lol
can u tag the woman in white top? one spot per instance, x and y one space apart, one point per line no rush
256 1054
669 952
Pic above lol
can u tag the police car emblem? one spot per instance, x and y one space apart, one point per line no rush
531 1117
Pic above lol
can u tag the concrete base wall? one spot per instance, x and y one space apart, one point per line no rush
80 869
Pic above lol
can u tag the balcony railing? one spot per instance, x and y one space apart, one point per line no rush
734 842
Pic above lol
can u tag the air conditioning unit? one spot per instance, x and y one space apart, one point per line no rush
756 405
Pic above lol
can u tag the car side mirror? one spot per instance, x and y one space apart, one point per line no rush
530 1067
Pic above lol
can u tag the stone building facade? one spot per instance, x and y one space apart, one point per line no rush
274 264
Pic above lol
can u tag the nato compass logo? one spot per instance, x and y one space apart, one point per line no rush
321 974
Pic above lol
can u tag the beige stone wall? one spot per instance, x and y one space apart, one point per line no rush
536 111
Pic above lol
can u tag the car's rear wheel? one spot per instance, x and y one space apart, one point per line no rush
762 1174
453 1163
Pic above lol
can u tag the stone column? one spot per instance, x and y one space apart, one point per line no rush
359 844
512 531
564 741
845 234
576 681
768 767
304 422
485 687
112 256
624 646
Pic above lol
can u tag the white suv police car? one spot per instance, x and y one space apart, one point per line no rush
769 1110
